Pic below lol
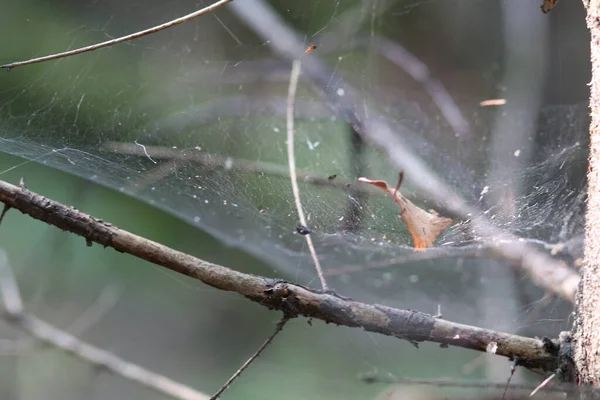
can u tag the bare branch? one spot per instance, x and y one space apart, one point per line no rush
546 272
254 356
13 314
294 76
122 39
102 359
290 298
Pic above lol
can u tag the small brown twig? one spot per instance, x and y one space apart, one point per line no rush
254 356
290 298
294 76
542 385
122 39
513 368
398 184
12 312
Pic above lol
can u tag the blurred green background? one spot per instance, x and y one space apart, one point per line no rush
146 89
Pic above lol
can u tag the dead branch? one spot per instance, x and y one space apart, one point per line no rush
122 39
292 299
12 312
546 272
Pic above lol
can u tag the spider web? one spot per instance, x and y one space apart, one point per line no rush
197 128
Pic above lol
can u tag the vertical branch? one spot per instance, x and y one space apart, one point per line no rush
587 322
526 33
356 197
294 76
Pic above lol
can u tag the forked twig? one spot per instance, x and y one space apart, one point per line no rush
254 356
294 76
122 39
12 313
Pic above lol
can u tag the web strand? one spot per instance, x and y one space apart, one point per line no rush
295 74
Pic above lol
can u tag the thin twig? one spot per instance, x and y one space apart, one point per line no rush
254 356
542 385
513 368
4 211
290 298
13 314
295 74
122 39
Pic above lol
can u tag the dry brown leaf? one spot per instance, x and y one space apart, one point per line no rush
424 227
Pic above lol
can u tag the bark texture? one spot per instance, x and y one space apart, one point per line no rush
587 323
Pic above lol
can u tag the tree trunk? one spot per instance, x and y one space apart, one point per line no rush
587 323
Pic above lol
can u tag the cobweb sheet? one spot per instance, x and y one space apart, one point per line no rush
198 129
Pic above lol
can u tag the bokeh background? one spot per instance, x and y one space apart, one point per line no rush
213 83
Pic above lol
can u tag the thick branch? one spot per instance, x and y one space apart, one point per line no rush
587 323
290 298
